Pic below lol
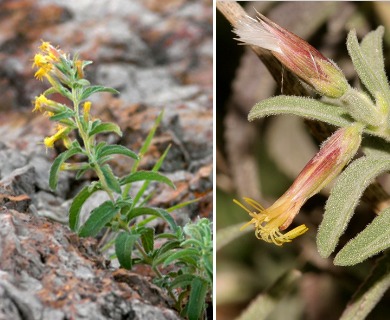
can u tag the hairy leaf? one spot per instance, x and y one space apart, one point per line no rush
124 244
111 180
116 149
196 302
146 175
182 281
55 168
106 127
187 255
368 61
344 197
370 293
77 204
158 212
93 89
301 106
99 217
372 240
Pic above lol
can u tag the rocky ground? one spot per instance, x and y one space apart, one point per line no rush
158 54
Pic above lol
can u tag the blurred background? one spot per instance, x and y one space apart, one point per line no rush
261 159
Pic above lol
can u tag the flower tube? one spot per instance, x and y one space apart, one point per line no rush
333 156
294 53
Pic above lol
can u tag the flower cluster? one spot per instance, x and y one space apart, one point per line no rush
66 78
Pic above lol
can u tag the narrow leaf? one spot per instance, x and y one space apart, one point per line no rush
146 175
155 168
183 255
301 106
147 239
368 295
55 168
117 149
372 48
182 281
373 79
99 217
111 180
66 114
77 204
106 127
196 302
124 244
93 89
158 212
344 197
372 240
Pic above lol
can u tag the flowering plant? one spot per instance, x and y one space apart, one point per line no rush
361 116
357 112
187 248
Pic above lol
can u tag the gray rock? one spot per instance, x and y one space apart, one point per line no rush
46 273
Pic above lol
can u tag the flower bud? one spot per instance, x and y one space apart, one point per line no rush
294 53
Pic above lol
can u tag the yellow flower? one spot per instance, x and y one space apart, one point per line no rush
268 221
61 132
334 154
52 53
40 102
87 107
44 65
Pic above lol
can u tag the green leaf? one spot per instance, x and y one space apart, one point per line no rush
158 212
77 204
124 244
116 149
372 240
182 204
66 114
187 255
111 180
360 106
146 175
99 217
372 49
368 295
155 168
301 106
151 134
344 197
105 127
147 239
368 61
55 168
166 247
182 281
196 302
93 89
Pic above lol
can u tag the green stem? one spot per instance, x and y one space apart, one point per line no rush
88 145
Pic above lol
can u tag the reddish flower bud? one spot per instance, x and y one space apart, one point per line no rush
294 53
